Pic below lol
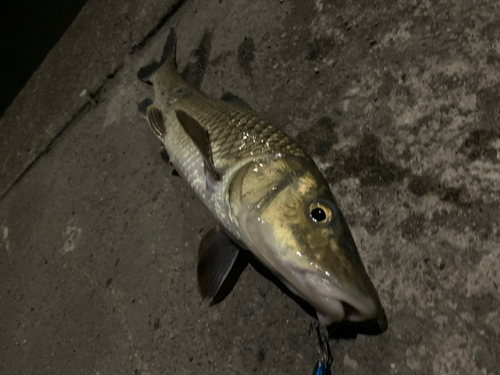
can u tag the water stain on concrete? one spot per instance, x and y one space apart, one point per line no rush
194 72
480 144
422 185
246 54
412 227
317 49
318 139
366 162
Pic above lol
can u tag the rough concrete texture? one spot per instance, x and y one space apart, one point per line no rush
72 75
397 101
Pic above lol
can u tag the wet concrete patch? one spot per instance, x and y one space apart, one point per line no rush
319 138
246 54
318 48
458 195
479 218
487 103
479 145
412 227
419 185
194 72
366 162
422 185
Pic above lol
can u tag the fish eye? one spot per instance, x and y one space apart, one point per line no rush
320 212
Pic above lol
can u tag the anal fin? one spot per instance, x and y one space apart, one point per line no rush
219 265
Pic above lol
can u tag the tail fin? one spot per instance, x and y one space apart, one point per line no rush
167 58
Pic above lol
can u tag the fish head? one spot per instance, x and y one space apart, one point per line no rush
294 226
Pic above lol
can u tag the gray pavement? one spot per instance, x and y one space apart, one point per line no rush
398 103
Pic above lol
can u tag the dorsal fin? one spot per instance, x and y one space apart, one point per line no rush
201 139
167 58
229 97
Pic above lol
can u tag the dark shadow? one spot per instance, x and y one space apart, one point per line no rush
349 330
193 73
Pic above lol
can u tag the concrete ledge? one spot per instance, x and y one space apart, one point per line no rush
69 79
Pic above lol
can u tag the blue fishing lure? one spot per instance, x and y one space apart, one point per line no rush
322 368
323 365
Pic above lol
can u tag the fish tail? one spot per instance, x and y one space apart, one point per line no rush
167 64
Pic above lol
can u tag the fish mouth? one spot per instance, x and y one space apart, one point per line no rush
334 303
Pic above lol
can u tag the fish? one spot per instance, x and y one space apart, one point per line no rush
267 195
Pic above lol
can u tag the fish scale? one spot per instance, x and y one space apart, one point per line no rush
237 135
227 124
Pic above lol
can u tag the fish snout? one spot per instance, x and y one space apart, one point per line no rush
335 303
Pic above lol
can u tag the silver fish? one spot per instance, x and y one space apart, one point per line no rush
267 195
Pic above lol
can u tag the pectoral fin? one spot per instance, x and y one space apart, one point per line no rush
156 121
201 139
217 263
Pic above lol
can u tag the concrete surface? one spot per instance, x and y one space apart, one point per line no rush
397 102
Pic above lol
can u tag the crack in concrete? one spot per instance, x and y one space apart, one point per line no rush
76 117
92 101
73 119
170 12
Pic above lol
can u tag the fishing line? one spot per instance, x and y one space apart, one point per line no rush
324 363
